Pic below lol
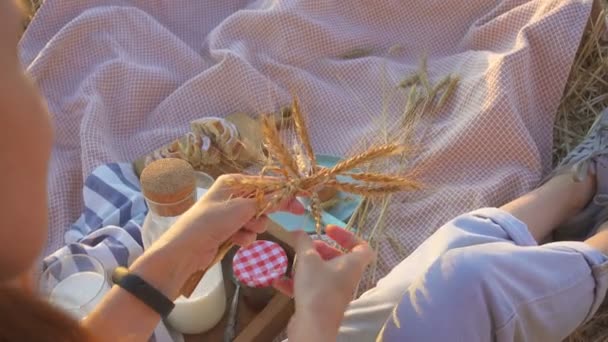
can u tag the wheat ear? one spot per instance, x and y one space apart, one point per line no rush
276 147
302 132
262 183
365 157
439 87
409 81
385 179
365 189
448 92
315 210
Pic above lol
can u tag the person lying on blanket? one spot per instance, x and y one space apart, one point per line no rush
484 276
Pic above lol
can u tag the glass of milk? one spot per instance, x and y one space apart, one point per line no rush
75 284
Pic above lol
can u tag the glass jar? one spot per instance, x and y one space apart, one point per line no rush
205 307
162 216
75 283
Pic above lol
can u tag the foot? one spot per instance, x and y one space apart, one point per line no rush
588 159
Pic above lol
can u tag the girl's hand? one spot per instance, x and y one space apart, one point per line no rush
324 284
220 216
193 241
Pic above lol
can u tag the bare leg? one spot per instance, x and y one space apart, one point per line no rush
543 209
600 240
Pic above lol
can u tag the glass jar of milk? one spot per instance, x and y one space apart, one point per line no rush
169 193
75 284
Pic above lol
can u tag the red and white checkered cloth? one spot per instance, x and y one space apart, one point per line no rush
259 264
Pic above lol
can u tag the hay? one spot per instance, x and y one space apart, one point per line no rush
586 92
585 96
30 7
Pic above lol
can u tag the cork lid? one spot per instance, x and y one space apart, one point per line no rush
169 181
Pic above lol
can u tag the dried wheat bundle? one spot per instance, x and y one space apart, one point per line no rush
295 170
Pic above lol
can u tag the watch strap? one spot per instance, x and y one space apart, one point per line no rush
143 291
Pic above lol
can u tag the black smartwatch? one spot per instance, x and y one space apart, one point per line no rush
143 291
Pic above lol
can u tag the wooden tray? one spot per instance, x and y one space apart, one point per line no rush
263 326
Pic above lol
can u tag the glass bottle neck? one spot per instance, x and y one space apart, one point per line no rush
173 209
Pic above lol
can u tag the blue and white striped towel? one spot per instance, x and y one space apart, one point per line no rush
109 228
112 197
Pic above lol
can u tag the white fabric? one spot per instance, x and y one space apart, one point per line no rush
123 77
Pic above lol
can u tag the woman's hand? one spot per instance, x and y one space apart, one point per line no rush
220 216
193 241
324 284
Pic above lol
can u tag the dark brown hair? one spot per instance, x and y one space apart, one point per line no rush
25 317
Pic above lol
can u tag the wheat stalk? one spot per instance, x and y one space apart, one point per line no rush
330 203
424 76
263 184
365 189
387 179
397 246
438 87
302 133
365 157
454 80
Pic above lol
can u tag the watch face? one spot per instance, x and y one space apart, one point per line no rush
119 273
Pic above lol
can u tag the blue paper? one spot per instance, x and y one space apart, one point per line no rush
343 210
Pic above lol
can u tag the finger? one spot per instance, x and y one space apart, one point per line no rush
293 206
304 244
243 238
326 251
344 238
365 250
236 214
242 209
257 225
227 186
290 205
284 285
223 188
359 258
